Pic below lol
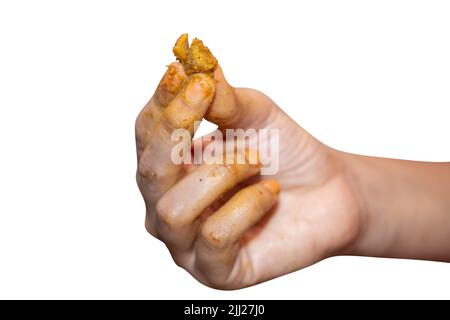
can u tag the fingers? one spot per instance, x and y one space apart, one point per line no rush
217 246
237 107
181 205
191 103
224 111
170 84
156 168
225 227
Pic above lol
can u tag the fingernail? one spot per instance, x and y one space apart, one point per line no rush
172 81
172 70
198 92
272 185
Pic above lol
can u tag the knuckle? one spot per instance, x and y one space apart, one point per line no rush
167 215
151 228
181 258
145 170
213 237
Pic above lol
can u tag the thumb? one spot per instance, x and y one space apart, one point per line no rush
238 107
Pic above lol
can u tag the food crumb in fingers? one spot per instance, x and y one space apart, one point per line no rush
181 48
195 58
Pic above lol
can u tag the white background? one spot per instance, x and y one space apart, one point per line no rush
369 77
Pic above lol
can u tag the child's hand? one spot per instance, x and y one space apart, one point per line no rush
224 224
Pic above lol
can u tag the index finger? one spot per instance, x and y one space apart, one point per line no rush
171 83
157 170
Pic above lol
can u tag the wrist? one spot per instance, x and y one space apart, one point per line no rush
354 171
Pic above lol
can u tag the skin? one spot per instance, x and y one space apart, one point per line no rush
230 228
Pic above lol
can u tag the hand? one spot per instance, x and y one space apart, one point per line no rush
260 233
